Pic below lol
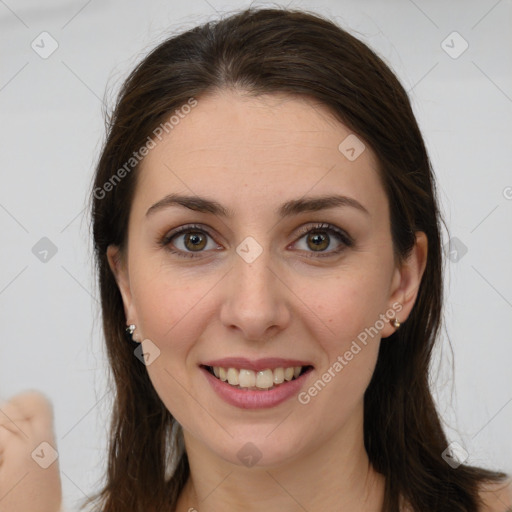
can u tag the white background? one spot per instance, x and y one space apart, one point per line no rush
51 131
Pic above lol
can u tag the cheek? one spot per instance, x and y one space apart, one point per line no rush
168 303
350 358
346 304
336 393
349 307
170 313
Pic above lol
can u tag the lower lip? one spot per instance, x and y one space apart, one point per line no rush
264 399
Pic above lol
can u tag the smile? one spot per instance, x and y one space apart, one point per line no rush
261 384
257 380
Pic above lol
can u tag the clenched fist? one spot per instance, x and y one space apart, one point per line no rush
29 471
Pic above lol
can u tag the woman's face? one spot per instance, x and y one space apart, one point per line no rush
246 280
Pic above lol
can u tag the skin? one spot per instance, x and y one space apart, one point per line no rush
26 421
283 303
251 155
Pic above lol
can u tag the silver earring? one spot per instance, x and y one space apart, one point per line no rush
395 323
130 329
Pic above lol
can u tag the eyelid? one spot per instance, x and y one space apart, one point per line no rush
325 226
345 239
184 229
165 240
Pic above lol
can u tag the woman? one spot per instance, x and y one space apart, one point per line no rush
267 233
264 204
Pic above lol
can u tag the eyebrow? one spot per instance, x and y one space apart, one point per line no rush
292 207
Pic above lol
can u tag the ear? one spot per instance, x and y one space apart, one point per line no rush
406 282
118 265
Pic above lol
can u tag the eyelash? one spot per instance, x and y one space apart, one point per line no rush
342 237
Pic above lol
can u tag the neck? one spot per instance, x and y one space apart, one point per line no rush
336 474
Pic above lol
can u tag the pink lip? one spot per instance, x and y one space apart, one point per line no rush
246 399
256 364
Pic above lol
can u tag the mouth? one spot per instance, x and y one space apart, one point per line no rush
262 380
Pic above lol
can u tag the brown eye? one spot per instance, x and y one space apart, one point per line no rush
194 240
188 241
318 241
318 238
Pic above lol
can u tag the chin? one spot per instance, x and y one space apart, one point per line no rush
260 449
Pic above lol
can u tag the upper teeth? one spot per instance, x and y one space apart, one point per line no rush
263 379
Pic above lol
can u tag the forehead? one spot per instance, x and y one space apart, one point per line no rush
239 146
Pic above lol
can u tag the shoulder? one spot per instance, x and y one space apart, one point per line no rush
497 497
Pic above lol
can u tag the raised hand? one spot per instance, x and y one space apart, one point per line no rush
29 470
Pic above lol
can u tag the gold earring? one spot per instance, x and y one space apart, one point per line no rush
395 323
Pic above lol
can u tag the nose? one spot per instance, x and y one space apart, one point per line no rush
256 299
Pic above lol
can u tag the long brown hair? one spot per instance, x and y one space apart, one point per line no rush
263 51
